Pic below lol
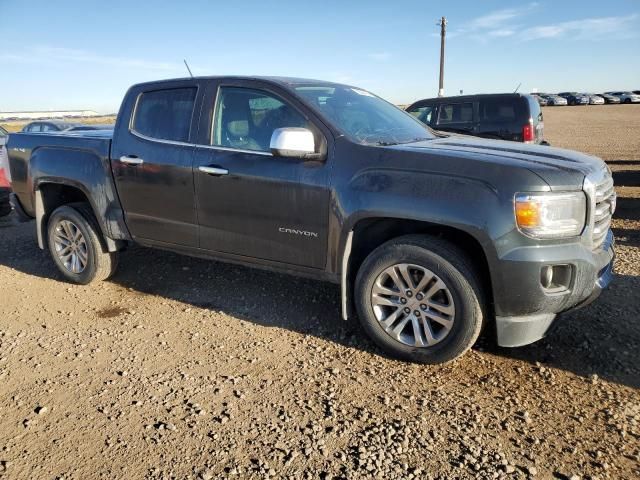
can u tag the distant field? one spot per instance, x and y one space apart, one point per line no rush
16 125
608 131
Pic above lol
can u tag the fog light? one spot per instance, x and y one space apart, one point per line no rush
556 278
546 276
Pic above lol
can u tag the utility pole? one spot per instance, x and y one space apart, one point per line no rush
443 32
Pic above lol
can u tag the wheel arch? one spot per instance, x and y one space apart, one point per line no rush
49 195
369 233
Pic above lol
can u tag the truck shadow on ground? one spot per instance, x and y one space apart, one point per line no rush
602 339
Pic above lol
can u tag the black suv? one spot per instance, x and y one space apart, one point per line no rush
501 116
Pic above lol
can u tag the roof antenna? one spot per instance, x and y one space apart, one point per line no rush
515 91
187 65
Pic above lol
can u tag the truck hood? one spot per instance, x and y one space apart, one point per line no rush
561 169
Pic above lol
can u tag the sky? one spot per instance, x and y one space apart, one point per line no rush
70 54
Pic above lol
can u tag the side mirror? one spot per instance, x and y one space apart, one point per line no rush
293 143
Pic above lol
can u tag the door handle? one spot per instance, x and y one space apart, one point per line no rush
214 170
131 160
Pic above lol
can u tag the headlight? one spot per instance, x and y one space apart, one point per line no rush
551 215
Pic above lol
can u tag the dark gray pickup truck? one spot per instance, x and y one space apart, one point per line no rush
431 237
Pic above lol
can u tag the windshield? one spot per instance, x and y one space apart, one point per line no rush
363 117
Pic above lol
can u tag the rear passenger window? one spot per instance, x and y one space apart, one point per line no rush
165 114
455 113
503 110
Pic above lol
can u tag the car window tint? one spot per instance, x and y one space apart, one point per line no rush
246 118
455 113
422 113
165 114
502 110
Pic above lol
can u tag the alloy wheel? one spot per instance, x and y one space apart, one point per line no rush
70 246
413 305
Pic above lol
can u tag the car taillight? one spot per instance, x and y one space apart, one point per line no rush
528 133
4 181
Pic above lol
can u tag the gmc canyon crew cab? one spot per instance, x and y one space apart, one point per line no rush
430 236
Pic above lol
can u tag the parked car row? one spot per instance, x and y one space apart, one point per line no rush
61 126
577 98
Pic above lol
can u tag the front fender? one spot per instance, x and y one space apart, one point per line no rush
466 204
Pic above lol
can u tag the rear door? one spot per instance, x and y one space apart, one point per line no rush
259 205
152 157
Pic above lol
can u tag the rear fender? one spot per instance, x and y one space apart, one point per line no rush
86 172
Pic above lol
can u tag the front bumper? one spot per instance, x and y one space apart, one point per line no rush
531 311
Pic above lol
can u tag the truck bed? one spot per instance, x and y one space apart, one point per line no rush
25 149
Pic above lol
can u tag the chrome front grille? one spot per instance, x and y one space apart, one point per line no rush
603 203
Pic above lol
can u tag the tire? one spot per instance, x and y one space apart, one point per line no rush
450 265
99 264
5 206
627 100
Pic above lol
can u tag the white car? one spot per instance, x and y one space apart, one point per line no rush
626 97
594 99
554 100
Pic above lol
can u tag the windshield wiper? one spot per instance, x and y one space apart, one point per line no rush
385 144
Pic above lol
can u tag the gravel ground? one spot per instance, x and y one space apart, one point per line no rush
184 368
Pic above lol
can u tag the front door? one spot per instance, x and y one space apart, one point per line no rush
152 165
250 202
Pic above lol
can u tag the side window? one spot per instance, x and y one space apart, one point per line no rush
165 114
503 110
245 118
423 113
36 127
455 113
47 127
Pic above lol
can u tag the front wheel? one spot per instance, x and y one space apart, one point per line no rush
419 299
75 244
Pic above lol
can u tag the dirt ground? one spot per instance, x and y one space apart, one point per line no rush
185 368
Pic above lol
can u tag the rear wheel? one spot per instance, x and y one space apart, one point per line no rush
419 299
627 100
76 247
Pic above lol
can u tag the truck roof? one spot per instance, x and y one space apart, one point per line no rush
284 81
